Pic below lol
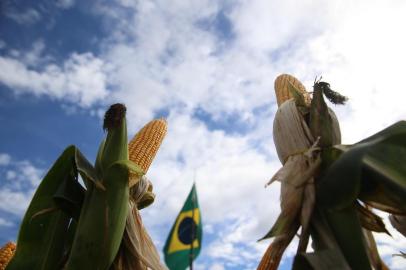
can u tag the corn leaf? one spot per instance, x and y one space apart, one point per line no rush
69 196
384 161
41 238
132 167
331 259
87 171
346 228
369 169
59 197
340 185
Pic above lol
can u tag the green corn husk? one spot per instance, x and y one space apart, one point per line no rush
104 212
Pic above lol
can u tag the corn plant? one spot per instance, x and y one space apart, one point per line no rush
68 226
330 189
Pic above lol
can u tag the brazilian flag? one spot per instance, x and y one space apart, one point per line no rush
185 239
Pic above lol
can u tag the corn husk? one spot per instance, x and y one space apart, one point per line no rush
373 254
137 250
298 151
399 223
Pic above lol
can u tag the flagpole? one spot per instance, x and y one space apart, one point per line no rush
193 224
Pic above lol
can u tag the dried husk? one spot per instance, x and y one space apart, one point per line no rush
373 253
291 133
137 250
399 223
298 151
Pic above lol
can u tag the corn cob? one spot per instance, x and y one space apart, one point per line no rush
103 217
282 88
145 144
6 253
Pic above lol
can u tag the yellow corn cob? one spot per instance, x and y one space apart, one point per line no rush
6 253
145 144
282 89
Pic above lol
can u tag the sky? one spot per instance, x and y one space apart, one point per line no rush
208 67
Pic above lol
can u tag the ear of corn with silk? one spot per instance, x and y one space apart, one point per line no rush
69 227
303 129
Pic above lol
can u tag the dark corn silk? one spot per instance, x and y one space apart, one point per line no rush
114 116
321 123
333 96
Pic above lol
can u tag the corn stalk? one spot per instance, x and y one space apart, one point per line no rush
348 182
67 226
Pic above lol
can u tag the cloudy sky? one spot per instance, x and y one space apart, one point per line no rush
208 67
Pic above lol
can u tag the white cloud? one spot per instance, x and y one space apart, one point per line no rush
15 202
3 44
391 245
35 56
174 64
22 179
81 79
26 17
216 266
159 58
10 175
5 223
4 159
230 179
65 4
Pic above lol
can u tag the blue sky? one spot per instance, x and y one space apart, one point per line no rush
208 67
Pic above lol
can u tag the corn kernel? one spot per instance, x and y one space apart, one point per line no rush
282 89
6 254
145 144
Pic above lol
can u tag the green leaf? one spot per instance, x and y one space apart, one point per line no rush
384 161
320 260
41 238
369 169
87 171
346 228
341 183
132 167
396 130
69 196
